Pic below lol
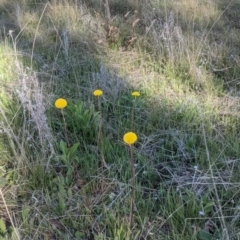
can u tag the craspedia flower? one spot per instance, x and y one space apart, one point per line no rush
97 93
60 103
130 138
135 94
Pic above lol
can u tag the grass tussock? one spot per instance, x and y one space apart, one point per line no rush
165 71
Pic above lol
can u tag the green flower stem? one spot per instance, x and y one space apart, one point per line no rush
133 185
133 110
65 129
100 143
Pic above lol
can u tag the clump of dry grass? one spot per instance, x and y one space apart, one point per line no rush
31 97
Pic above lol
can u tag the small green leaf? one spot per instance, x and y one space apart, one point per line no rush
79 235
2 182
69 193
208 206
63 147
3 228
73 149
205 235
65 159
61 203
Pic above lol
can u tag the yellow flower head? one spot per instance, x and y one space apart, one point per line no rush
135 94
60 103
97 93
130 138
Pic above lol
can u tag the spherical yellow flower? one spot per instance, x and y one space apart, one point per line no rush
130 138
135 94
60 103
97 93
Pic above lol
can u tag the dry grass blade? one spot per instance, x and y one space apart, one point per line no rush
9 215
135 22
219 205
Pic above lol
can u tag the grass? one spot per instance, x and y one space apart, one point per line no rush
182 57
